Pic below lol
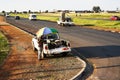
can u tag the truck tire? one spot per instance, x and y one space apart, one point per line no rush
60 24
64 54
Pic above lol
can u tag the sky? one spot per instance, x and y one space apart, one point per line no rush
36 5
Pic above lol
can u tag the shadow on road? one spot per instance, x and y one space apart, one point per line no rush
88 25
108 66
99 51
96 52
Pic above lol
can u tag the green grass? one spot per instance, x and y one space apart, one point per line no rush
98 23
4 47
50 18
40 16
83 20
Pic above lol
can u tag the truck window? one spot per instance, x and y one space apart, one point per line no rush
53 36
33 15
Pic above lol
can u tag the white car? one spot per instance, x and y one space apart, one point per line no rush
51 44
7 15
32 17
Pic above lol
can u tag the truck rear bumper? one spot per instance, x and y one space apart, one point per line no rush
65 23
58 50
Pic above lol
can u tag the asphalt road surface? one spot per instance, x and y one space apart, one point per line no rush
99 47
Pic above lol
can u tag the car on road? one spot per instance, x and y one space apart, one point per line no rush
17 17
48 42
7 15
67 22
32 17
115 18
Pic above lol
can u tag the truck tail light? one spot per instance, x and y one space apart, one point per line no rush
46 47
65 48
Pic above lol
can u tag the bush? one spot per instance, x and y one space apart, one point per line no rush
4 47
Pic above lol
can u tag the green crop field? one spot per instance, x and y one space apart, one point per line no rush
4 47
84 19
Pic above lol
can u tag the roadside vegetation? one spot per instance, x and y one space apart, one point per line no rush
4 47
83 19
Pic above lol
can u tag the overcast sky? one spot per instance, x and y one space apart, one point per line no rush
35 5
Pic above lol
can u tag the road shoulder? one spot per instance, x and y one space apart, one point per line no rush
22 56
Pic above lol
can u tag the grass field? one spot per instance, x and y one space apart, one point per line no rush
84 19
4 48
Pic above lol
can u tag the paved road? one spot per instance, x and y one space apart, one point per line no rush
99 47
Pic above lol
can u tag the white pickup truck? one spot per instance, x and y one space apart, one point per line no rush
50 44
67 22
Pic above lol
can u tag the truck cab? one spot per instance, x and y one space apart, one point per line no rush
65 20
32 17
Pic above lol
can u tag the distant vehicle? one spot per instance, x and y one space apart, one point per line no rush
48 42
115 18
7 15
17 17
65 21
32 17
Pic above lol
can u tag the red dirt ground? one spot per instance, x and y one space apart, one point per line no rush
20 52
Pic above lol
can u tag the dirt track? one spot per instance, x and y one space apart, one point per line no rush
22 62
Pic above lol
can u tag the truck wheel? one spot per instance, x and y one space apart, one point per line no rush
45 55
60 24
64 54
